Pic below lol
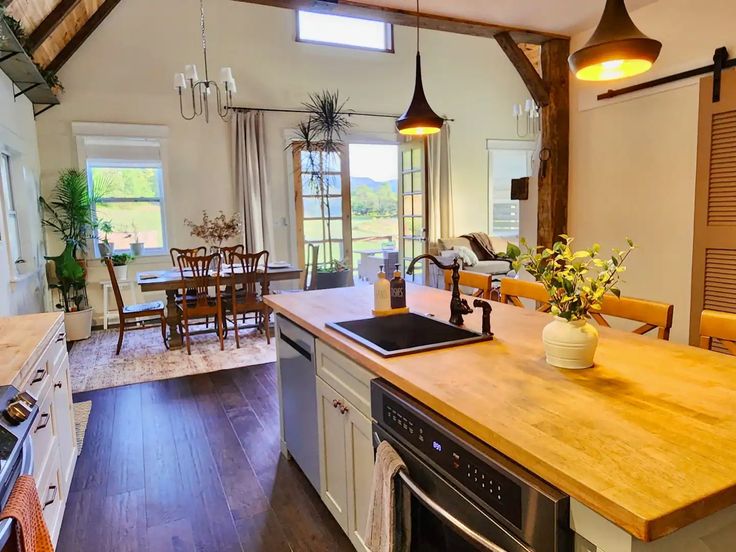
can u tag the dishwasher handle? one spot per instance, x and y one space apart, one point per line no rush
294 345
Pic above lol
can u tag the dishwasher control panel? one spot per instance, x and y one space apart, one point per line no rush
446 452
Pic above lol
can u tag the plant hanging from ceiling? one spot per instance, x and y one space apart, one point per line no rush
320 140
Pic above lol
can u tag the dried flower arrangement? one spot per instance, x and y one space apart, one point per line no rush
215 230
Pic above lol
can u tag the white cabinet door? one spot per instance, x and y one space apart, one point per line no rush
62 400
360 473
332 452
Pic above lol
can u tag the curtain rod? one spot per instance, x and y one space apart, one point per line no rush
349 113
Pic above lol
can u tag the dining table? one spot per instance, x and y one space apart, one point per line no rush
171 282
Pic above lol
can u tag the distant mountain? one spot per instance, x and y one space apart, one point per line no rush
358 181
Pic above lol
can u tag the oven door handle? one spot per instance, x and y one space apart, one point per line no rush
446 516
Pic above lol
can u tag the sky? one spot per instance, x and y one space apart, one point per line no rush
377 161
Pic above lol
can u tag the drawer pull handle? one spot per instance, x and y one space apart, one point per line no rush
43 421
58 385
50 501
343 409
335 403
40 374
60 337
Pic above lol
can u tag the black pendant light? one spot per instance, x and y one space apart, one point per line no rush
419 119
617 48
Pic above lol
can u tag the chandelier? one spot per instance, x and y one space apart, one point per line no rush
201 90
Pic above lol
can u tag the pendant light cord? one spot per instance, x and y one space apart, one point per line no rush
417 26
204 39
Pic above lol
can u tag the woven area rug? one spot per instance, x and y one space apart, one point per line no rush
144 358
81 417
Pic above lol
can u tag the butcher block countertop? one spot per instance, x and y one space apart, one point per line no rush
22 341
645 438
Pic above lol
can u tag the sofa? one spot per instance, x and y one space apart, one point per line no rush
450 248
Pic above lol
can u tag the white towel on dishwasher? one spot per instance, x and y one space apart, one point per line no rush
389 524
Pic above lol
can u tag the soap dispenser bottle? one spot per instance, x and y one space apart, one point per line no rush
398 290
381 293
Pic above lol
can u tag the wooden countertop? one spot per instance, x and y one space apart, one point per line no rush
22 341
645 438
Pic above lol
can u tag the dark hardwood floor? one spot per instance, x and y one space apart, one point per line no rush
192 464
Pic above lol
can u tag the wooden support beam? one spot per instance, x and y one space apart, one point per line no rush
49 24
525 68
408 18
553 173
83 34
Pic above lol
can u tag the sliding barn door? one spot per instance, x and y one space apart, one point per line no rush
714 246
413 206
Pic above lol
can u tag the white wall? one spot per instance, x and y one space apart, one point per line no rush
24 292
124 72
632 166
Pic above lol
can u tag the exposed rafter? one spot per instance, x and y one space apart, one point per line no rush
525 68
49 24
408 18
83 34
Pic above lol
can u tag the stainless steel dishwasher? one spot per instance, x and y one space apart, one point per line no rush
298 373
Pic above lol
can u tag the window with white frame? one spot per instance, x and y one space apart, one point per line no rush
126 176
12 228
338 30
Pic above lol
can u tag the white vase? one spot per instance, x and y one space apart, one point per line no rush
78 324
121 272
136 249
571 344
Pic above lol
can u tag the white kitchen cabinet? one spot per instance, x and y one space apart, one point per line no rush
332 452
345 445
63 409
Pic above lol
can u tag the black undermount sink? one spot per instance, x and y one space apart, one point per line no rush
402 334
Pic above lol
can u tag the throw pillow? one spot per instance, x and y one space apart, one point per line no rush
466 254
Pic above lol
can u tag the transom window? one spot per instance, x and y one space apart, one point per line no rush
338 30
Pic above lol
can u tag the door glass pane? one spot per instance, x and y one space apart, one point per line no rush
505 165
417 204
416 182
406 160
311 184
416 158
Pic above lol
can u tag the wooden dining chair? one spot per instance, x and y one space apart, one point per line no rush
482 284
175 253
199 273
718 328
513 291
247 297
227 253
130 313
653 315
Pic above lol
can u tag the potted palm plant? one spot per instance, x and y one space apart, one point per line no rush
68 213
576 282
320 139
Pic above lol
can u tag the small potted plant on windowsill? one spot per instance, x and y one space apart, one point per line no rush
105 246
576 282
120 264
136 246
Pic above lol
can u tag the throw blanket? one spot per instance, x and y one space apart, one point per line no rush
389 527
24 507
482 246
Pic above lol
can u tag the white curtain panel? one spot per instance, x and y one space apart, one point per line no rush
439 186
251 180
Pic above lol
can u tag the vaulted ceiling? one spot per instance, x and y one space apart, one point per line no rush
57 28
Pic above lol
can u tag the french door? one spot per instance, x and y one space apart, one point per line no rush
322 205
413 206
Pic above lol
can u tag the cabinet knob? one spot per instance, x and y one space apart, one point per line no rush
336 403
343 409
58 385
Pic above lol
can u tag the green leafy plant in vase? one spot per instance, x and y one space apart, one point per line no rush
120 264
576 282
136 246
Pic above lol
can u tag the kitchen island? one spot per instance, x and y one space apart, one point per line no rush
643 442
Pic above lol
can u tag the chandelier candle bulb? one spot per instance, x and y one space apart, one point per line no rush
190 71
180 83
528 106
230 85
517 110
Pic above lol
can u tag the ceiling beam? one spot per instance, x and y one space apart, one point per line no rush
525 68
83 34
408 18
49 24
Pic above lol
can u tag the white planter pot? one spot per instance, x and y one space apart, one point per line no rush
570 345
121 272
78 324
137 249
